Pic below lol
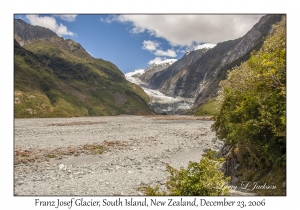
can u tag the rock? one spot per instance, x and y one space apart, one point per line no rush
284 185
137 163
224 150
20 183
117 194
234 180
24 161
110 169
236 167
233 161
61 166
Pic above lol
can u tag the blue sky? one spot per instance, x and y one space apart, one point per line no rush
137 41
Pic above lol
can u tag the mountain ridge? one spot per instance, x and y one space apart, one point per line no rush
199 80
58 78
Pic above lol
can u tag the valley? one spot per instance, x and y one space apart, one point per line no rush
84 127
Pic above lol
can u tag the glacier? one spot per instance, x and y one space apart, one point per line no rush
159 102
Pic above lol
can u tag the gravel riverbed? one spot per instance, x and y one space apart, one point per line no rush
136 151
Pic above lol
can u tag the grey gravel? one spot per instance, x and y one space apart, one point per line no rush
149 145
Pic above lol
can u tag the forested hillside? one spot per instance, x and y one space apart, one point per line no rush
252 114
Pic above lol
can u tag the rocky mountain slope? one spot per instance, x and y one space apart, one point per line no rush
159 77
153 69
54 77
198 77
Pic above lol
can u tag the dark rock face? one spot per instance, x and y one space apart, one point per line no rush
198 74
232 164
25 33
158 79
238 51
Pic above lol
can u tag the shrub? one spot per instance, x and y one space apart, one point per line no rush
198 179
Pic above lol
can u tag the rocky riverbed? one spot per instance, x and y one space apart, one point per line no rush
104 155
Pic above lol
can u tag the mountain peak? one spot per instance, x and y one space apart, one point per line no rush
163 62
26 33
206 45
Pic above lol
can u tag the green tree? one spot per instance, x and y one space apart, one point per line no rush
252 103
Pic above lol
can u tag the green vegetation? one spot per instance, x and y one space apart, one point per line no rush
53 80
203 178
207 109
252 108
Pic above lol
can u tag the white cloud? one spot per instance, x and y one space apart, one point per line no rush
110 18
159 60
184 30
150 45
169 53
49 22
69 18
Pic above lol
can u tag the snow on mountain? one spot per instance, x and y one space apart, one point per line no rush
135 72
166 61
207 45
160 102
131 76
202 46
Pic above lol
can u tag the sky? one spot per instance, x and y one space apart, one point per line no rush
136 41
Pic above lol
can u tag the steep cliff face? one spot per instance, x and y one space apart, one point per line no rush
159 77
238 52
197 75
153 69
204 70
